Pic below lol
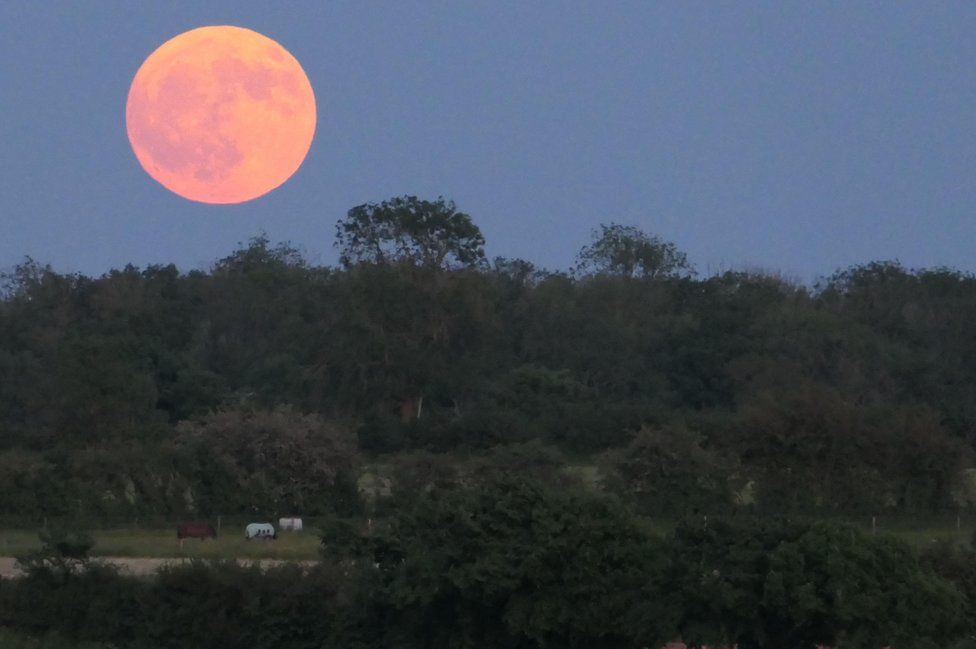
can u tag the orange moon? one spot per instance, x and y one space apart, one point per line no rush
220 114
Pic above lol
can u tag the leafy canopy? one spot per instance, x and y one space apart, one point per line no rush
407 229
626 251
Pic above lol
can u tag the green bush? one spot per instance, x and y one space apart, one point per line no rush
957 565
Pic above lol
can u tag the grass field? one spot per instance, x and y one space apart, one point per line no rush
13 640
130 542
300 546
922 536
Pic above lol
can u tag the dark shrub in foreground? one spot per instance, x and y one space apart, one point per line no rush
513 565
227 605
206 606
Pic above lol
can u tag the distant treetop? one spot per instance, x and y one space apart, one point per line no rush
409 230
626 251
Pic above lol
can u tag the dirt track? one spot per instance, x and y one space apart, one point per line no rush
141 565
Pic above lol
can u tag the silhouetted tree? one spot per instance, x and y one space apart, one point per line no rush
626 251
407 229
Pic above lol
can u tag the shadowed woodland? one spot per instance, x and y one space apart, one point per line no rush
269 384
491 445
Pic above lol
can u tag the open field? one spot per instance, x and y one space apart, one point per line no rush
162 543
922 536
303 546
13 640
918 534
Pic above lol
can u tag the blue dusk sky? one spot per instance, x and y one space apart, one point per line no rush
798 137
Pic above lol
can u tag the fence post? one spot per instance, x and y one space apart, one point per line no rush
218 524
874 525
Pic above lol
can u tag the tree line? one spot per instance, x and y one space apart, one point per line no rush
269 383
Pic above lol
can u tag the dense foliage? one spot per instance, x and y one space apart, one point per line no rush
516 566
270 384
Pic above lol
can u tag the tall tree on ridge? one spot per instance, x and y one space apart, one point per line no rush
431 234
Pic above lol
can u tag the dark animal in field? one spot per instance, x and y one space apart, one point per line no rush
195 531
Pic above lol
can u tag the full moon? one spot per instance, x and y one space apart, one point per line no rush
220 114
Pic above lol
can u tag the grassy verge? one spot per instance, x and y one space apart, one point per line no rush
128 542
12 640
918 535
162 543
